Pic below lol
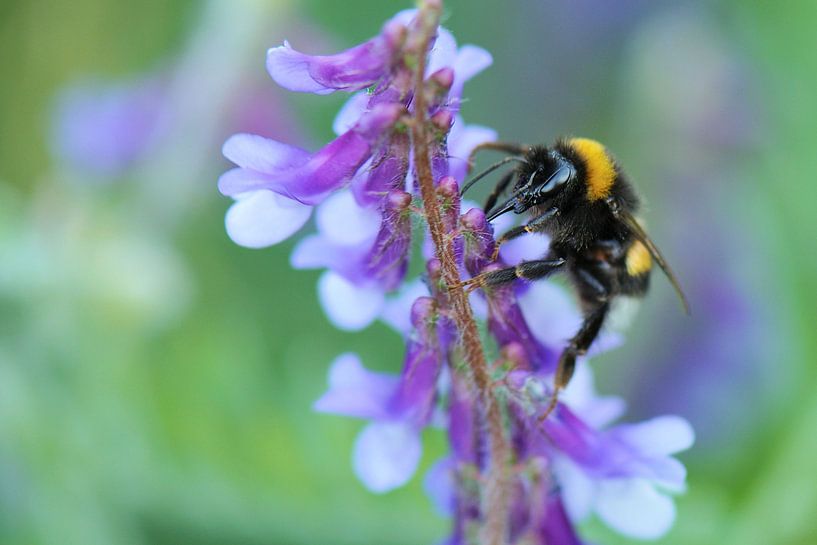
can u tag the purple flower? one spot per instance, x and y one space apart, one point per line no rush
262 218
396 311
367 256
555 526
624 473
105 127
363 186
385 172
388 449
357 68
505 318
368 151
293 172
462 139
452 482
537 514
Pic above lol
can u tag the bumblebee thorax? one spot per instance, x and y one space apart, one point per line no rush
599 168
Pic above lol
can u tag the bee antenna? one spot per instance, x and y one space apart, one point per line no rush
489 170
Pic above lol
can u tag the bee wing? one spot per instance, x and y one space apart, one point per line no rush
642 236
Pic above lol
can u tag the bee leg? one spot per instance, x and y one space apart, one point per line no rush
577 346
593 283
500 187
529 270
537 224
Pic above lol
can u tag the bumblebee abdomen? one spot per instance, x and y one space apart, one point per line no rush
634 275
638 260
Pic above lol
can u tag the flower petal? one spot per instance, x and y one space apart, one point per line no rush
290 69
470 61
550 313
350 112
314 252
527 248
355 391
336 163
397 310
556 528
578 490
343 222
262 154
350 70
348 307
634 508
659 436
443 53
580 395
417 392
264 218
386 455
236 181
461 142
439 486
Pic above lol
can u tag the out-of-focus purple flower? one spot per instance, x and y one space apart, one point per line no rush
396 311
619 472
465 62
348 306
461 142
346 232
624 473
555 526
388 450
464 465
538 515
355 391
735 330
103 128
439 484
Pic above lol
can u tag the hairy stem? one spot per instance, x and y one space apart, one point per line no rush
495 504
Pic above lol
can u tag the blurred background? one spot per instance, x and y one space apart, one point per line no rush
156 380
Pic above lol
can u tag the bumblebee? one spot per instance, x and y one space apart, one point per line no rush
577 194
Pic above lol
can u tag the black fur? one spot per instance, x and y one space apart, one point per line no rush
586 237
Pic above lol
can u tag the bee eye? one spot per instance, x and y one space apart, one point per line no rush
562 175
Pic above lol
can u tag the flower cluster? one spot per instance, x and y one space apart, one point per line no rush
359 183
365 188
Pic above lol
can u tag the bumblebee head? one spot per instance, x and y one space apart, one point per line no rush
541 179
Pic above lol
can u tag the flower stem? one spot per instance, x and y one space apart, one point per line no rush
495 499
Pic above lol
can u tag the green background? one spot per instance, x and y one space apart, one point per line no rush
156 379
